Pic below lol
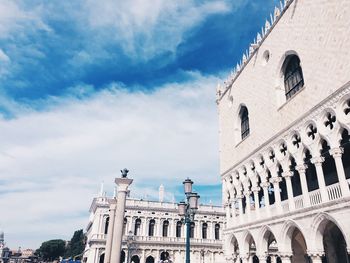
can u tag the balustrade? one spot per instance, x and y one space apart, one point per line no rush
334 191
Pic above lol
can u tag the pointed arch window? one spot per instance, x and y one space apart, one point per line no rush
293 76
151 225
244 122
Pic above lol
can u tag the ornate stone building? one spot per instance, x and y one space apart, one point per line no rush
153 231
284 139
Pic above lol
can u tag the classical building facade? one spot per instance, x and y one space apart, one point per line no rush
153 231
284 139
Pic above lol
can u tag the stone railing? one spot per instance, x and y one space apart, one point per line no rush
333 193
175 240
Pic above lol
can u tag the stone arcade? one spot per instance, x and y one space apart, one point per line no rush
284 139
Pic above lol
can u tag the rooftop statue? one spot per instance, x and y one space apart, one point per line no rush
124 172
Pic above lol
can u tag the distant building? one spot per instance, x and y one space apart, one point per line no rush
155 232
284 139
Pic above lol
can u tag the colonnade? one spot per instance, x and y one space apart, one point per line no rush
305 167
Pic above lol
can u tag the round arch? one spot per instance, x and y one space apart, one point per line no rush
150 259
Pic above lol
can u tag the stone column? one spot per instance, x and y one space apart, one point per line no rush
306 199
287 176
316 257
286 258
320 177
276 187
337 154
256 201
240 206
247 204
265 187
112 208
262 259
123 184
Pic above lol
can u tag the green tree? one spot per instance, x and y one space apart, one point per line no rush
52 249
76 245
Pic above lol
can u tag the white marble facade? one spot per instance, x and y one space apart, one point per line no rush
284 139
157 231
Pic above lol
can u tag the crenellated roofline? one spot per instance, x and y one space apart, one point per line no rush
253 48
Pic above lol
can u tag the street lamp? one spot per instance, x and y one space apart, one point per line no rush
187 211
129 242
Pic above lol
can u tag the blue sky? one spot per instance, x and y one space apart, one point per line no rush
87 88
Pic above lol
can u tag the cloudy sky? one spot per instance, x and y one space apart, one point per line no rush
90 87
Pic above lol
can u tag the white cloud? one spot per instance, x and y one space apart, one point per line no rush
52 161
147 28
3 56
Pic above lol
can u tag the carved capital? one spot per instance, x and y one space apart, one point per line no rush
317 160
247 193
301 168
265 184
287 174
256 189
275 180
337 152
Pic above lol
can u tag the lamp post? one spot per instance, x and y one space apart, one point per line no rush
187 211
129 242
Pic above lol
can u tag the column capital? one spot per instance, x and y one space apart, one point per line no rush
318 160
337 152
301 168
287 174
239 196
256 189
275 179
265 184
247 192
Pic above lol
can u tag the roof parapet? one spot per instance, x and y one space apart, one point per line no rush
253 47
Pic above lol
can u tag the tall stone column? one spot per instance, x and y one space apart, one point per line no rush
265 187
320 177
276 187
240 206
256 201
247 204
337 154
288 177
112 208
123 184
302 169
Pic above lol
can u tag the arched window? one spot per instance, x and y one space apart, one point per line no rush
165 228
293 76
151 227
192 230
124 226
137 227
204 230
178 228
106 225
217 231
243 114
